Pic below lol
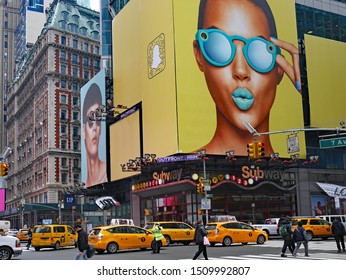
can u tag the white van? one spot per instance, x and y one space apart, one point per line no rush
331 218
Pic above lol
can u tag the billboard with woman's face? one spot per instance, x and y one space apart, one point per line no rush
94 167
205 69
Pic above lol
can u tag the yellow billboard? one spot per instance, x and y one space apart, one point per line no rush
201 71
326 60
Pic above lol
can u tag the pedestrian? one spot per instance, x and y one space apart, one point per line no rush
299 236
29 234
82 242
200 233
338 231
287 235
158 236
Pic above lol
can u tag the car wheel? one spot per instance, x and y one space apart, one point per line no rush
5 254
37 249
227 241
261 239
112 248
309 235
57 246
168 240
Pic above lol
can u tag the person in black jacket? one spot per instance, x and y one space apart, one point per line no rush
200 232
29 234
82 242
288 238
338 231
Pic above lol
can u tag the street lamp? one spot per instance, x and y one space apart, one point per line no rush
253 205
61 206
202 156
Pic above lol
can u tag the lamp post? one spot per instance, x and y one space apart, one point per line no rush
202 155
61 205
253 205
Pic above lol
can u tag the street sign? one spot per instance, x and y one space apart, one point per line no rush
210 195
207 187
205 203
292 144
333 142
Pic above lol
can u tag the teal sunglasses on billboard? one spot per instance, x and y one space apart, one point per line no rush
219 50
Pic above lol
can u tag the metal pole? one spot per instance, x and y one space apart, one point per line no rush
59 212
205 192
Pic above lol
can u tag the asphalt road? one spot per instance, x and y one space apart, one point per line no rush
318 249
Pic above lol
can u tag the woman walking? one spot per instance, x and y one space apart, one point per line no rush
200 233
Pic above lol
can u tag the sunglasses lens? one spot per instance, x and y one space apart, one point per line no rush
217 48
261 55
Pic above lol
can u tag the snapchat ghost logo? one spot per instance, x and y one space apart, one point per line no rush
156 56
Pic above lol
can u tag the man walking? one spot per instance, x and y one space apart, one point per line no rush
299 236
82 242
286 233
338 231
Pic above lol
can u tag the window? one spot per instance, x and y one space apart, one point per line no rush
75 72
86 47
62 55
63 98
75 19
75 131
86 61
75 116
97 64
64 15
75 145
64 162
75 88
63 144
83 31
63 40
75 44
75 58
97 50
63 69
63 128
64 178
76 163
75 100
63 115
63 85
86 75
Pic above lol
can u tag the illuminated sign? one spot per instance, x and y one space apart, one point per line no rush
259 173
106 202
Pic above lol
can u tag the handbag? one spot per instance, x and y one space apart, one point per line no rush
90 251
206 241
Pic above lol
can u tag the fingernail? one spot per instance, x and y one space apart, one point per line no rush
297 85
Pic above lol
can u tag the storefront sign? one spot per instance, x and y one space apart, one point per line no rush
160 178
262 174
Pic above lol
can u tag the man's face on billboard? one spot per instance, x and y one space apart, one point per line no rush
92 130
241 93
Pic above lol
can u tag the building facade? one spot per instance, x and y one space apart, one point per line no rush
43 127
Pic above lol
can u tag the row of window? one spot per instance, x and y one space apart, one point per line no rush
85 46
75 60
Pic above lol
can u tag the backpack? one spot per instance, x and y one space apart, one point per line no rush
283 230
90 251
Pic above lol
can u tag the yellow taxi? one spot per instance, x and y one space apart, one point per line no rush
175 232
234 232
22 234
119 237
53 236
314 227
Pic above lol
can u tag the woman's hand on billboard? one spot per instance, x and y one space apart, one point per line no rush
293 72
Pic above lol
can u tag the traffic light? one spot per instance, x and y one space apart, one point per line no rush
3 169
200 187
251 150
260 150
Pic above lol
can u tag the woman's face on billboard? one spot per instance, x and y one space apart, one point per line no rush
92 130
241 94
